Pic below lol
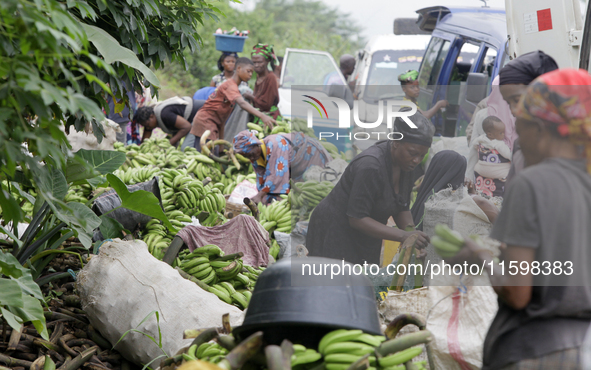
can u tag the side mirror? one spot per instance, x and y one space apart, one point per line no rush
341 92
477 87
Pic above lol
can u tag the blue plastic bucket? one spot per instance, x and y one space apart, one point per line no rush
229 43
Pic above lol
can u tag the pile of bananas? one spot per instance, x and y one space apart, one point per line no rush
305 196
189 195
157 236
274 250
337 350
447 242
301 125
276 216
134 175
226 275
210 352
76 193
281 128
341 348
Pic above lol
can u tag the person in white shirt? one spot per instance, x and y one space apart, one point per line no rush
494 158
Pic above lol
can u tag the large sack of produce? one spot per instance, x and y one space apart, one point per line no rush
124 283
86 139
459 319
457 210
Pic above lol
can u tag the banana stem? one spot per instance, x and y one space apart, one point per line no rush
204 149
253 208
274 357
243 352
234 160
205 336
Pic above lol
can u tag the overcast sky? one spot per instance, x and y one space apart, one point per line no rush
377 16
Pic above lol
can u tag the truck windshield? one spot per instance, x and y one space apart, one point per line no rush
385 67
310 69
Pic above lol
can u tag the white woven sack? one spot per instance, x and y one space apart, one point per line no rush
124 283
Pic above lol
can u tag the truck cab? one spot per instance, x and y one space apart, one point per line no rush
466 51
557 27
311 74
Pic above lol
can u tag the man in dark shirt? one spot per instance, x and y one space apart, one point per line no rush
173 116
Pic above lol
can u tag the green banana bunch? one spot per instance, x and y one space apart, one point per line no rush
342 347
400 357
305 196
276 216
447 242
209 350
274 250
300 125
303 356
229 271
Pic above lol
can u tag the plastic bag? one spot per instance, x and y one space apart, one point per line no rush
124 284
245 189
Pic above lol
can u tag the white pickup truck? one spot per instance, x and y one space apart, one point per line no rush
307 75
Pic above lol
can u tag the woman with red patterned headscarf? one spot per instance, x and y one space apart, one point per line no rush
545 297
266 89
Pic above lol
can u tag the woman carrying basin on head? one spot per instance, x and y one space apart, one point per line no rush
350 223
266 88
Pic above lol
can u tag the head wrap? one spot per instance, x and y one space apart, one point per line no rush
562 99
447 168
422 135
526 68
266 51
245 141
223 56
408 76
498 107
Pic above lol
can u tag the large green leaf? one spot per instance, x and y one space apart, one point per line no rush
139 201
111 228
103 161
87 164
10 209
10 293
112 51
29 286
10 266
81 219
13 320
33 312
53 183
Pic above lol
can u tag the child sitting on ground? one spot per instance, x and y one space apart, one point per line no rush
494 158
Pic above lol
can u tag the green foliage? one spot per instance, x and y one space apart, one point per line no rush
302 24
60 59
20 295
139 201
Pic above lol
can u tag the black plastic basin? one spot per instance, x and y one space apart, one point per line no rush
309 308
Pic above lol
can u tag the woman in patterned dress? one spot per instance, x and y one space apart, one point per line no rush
271 160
